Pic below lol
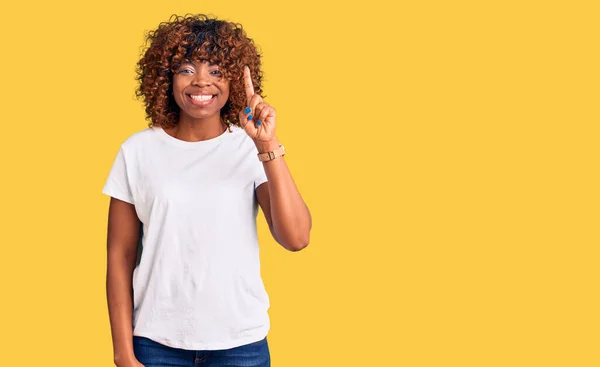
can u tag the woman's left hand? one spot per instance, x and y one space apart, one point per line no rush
258 118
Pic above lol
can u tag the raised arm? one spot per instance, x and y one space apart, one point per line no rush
286 212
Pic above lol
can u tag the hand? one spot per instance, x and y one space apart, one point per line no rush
131 364
258 118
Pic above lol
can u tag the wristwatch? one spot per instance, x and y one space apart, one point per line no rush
269 156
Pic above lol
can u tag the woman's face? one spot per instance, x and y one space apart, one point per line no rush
200 90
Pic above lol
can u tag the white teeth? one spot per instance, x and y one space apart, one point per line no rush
202 97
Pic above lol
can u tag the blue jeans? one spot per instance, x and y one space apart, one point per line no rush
153 354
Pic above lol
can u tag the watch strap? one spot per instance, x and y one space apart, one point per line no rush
269 156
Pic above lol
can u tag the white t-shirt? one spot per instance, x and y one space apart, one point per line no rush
197 285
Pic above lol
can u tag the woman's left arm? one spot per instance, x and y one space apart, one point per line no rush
286 212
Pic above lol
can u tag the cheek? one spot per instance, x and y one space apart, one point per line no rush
225 90
177 85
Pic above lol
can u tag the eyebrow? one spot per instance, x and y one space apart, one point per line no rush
193 63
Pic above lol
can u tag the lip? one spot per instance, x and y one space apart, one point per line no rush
201 103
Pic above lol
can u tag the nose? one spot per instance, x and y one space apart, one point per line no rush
201 78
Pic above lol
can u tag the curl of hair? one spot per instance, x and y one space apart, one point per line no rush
194 37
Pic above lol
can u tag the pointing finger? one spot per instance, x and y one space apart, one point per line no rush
248 83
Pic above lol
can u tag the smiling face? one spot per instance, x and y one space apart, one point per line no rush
200 90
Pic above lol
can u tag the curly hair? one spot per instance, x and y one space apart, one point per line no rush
194 37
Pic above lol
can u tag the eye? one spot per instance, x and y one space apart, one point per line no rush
186 71
216 72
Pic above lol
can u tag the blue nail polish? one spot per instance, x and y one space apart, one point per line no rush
258 123
249 117
247 110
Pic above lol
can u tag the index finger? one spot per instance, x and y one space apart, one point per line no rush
248 83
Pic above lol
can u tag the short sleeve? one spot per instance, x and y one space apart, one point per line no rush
117 185
260 177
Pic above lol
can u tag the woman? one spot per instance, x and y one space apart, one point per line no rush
191 183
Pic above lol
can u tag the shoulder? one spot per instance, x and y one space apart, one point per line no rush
139 139
237 133
241 139
134 147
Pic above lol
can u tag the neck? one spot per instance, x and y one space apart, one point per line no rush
190 129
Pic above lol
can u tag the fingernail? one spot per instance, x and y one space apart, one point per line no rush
247 110
246 66
258 123
249 117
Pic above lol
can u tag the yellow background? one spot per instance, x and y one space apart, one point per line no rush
448 152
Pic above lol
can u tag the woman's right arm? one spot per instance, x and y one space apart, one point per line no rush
122 240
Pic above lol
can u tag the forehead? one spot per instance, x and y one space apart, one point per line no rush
197 62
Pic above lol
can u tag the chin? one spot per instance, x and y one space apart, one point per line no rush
202 116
